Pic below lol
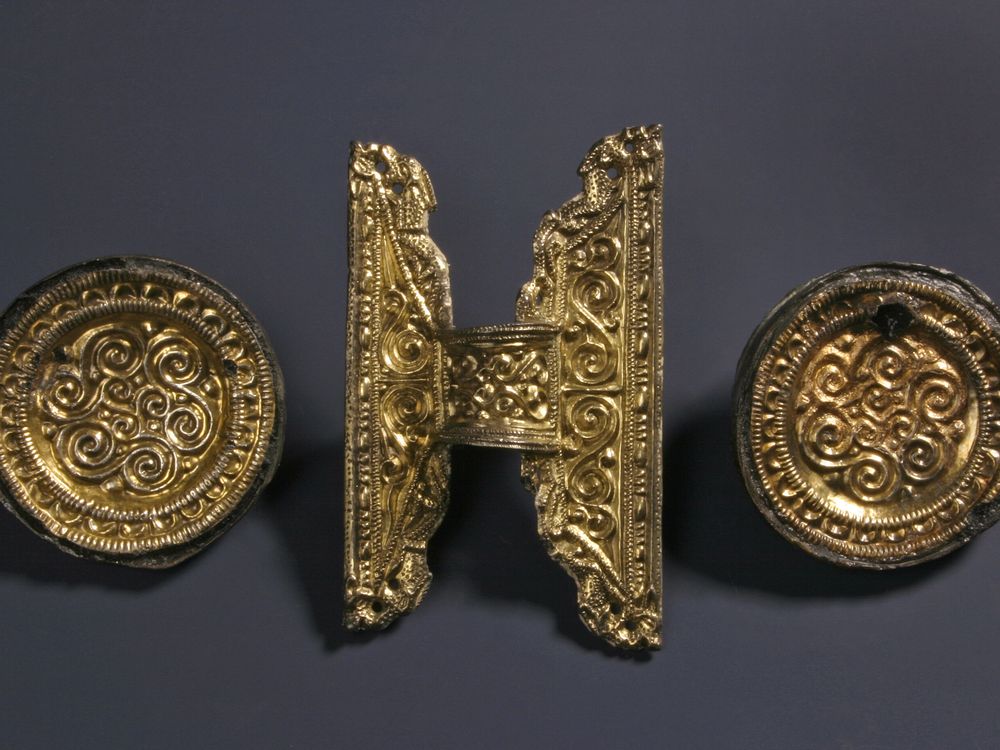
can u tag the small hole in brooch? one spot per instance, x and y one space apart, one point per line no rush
381 167
397 188
229 366
892 319
629 146
613 173
377 606
616 608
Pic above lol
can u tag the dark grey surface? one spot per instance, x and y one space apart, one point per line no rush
800 137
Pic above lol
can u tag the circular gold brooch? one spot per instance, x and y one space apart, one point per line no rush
868 415
141 410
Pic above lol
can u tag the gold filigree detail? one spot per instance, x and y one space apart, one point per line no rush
880 421
130 407
139 410
506 383
876 444
398 299
498 386
575 385
598 272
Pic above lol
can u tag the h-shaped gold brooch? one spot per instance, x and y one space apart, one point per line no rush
574 384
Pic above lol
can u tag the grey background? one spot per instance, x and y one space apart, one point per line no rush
800 137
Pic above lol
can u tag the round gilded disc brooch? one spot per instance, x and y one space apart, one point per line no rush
868 415
141 410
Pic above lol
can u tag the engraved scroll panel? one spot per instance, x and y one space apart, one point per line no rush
396 475
598 276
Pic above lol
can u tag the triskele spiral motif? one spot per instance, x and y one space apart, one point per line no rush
130 406
877 420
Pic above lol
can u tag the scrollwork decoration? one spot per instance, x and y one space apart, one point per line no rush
140 410
574 384
868 426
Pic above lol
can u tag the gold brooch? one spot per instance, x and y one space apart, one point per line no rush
141 410
868 415
574 384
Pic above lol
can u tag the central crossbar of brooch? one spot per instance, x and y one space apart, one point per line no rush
499 386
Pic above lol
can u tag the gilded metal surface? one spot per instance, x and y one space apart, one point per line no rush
870 418
139 410
575 385
498 384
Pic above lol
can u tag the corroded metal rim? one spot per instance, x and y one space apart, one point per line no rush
141 410
864 467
